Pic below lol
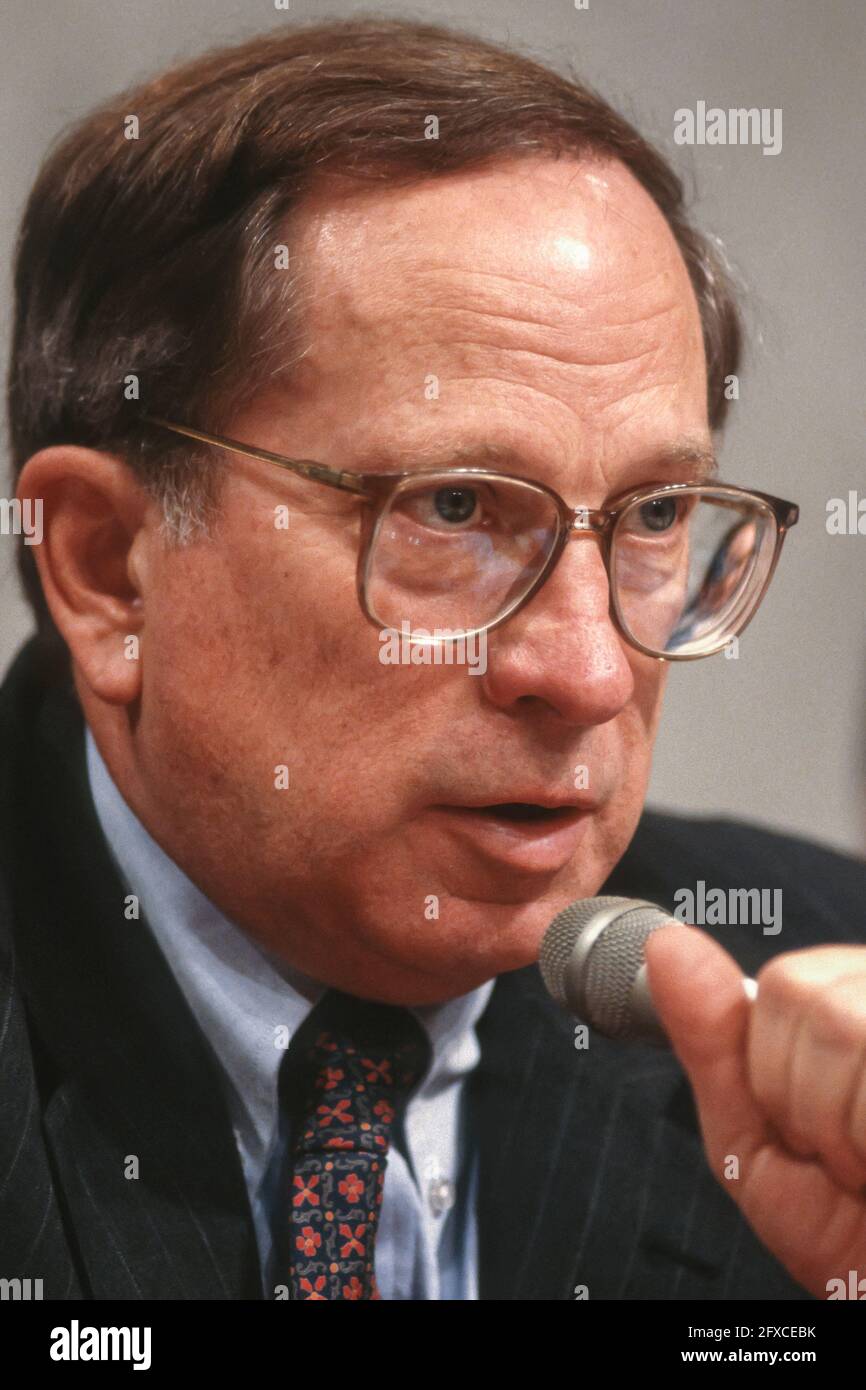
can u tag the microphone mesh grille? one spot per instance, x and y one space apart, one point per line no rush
561 938
612 968
614 962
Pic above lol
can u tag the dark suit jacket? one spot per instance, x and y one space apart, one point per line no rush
591 1166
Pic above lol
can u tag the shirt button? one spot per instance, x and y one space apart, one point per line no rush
440 1195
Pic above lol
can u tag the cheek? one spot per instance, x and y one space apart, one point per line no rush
279 668
650 682
632 737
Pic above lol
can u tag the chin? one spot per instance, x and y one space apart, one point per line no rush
496 939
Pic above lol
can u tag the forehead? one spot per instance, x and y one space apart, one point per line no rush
570 238
546 298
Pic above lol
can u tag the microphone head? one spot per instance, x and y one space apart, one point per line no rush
592 962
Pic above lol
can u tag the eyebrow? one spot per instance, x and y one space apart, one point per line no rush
701 460
691 456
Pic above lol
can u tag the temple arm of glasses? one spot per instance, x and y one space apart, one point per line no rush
787 513
307 468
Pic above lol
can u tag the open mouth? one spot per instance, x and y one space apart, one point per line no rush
524 835
522 812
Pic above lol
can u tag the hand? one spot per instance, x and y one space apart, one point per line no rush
780 1084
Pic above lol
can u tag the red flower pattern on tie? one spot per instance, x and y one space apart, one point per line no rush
366 1058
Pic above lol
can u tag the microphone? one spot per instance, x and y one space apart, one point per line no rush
592 962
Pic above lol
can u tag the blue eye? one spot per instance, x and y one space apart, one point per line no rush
660 513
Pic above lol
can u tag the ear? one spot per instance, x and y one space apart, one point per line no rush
92 560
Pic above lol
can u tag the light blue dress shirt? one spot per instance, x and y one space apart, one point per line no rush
248 1004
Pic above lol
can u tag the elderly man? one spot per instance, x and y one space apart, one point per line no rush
364 329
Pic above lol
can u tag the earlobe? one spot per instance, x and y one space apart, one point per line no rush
90 562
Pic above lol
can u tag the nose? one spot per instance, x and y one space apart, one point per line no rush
562 648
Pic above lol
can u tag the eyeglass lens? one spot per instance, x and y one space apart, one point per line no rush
453 555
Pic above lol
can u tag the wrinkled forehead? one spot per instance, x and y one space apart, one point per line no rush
578 244
542 301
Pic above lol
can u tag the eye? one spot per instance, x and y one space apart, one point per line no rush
660 513
449 508
456 505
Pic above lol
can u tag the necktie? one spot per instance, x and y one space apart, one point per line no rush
352 1066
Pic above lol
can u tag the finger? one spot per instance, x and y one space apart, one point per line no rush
857 1118
793 1204
827 1068
794 998
815 1227
699 994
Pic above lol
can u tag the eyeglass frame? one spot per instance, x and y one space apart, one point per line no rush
378 489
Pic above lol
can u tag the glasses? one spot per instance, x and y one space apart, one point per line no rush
449 554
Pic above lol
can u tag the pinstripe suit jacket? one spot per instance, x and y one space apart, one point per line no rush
591 1167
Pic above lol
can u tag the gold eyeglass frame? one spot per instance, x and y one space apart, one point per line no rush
379 489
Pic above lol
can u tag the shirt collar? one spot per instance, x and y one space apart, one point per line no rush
247 1002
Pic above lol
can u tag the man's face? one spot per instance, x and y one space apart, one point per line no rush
551 305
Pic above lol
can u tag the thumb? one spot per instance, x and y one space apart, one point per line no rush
699 994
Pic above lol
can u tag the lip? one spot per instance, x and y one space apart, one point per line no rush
532 846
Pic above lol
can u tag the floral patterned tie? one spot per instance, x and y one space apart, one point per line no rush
353 1066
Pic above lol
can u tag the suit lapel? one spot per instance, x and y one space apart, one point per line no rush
135 1121
592 1181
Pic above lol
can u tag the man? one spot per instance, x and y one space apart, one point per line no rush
271 904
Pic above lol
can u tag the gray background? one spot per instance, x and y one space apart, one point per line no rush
777 736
